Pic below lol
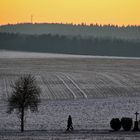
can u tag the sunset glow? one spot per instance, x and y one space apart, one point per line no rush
121 12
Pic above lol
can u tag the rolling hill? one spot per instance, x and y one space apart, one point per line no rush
99 31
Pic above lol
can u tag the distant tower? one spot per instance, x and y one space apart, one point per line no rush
31 18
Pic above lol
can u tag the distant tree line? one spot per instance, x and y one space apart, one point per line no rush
93 30
70 45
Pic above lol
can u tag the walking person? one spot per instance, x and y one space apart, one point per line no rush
69 124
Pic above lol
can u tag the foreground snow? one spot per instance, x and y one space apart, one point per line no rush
75 135
86 114
91 119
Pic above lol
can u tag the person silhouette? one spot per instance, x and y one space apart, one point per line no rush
69 123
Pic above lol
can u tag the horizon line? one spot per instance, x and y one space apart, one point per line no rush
75 24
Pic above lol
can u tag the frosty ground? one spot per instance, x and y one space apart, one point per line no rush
92 90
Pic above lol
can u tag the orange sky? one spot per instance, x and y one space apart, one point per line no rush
90 11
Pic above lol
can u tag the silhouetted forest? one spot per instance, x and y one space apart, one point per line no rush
93 30
70 45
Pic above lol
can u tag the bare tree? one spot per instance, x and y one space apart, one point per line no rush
25 95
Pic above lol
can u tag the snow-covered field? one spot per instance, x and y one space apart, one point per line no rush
19 54
92 90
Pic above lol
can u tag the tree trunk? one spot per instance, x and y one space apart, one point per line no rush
22 119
